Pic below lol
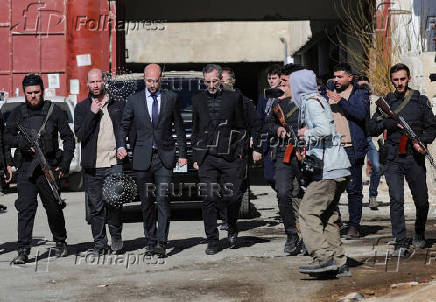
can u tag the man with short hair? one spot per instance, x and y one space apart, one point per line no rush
40 116
218 136
410 162
96 123
263 109
153 112
287 171
350 107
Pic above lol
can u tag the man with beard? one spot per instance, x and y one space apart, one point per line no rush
41 116
96 123
218 135
409 163
350 107
287 174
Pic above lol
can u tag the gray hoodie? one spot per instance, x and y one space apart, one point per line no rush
322 139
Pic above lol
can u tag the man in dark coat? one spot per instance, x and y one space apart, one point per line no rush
218 140
96 123
350 106
410 162
153 112
48 121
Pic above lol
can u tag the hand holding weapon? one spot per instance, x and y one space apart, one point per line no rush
278 111
42 161
408 132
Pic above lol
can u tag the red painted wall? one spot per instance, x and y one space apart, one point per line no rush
45 36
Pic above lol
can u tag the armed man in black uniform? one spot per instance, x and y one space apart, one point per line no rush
286 172
44 120
407 163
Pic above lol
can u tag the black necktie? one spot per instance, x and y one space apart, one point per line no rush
154 110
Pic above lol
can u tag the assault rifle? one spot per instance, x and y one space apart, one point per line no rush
42 161
278 111
408 132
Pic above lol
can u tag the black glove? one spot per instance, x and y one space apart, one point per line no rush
23 143
64 168
390 124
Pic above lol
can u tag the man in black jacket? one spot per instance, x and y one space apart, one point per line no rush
96 123
39 115
409 163
153 112
218 135
287 174
253 127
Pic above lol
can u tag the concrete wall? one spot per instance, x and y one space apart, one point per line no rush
202 42
411 25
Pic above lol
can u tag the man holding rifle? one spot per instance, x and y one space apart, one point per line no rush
279 124
31 128
410 125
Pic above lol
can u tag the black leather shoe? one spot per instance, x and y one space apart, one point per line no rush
117 245
96 252
61 249
292 246
212 248
233 240
319 267
224 227
148 250
21 258
160 250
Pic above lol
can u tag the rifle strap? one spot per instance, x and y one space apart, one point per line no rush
291 112
50 111
399 108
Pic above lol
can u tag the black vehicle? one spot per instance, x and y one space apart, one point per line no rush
185 84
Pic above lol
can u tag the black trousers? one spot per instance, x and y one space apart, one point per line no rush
414 171
100 212
222 207
219 175
354 189
284 178
154 184
26 205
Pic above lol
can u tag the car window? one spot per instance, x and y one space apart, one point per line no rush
184 87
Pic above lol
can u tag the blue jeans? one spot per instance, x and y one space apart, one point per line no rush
376 168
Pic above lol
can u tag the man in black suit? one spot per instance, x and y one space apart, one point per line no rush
152 112
218 136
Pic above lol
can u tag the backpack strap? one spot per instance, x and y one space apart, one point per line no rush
318 102
292 111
